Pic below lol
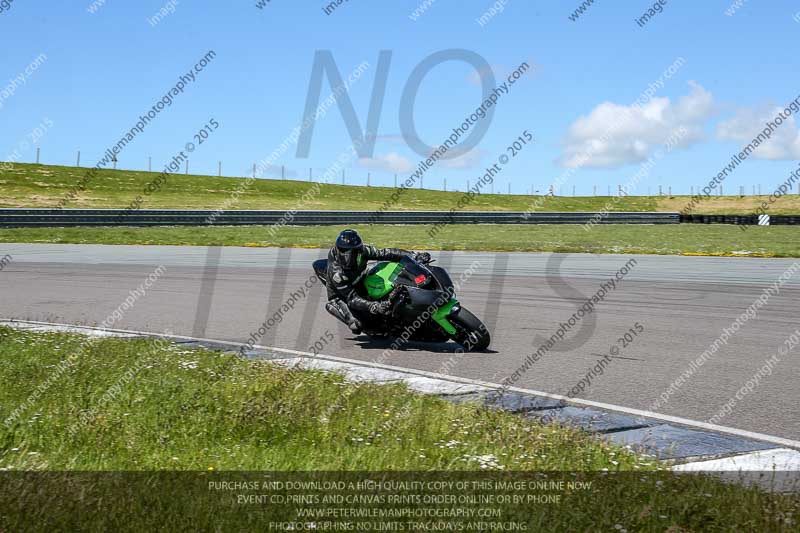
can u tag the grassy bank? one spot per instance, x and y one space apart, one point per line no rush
27 185
145 405
773 241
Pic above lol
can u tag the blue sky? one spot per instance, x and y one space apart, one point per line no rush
104 69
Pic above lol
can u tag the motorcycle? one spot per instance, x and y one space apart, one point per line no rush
423 308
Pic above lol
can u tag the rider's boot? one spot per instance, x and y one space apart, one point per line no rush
340 310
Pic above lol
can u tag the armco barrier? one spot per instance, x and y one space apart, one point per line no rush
719 219
10 218
48 218
774 220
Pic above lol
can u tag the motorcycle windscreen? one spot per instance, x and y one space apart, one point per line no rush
414 274
443 279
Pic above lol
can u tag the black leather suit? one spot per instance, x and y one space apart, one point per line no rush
343 283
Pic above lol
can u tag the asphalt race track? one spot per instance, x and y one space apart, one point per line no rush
683 303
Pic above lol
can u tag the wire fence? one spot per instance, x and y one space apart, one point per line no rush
509 187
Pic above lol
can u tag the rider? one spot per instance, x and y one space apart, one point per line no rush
347 263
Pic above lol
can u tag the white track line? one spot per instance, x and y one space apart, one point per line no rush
575 401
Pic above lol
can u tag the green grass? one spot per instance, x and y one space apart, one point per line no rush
713 239
27 185
193 409
208 413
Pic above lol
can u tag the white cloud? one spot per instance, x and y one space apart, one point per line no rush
613 135
746 125
501 72
391 162
470 159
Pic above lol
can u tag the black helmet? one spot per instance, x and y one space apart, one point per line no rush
348 248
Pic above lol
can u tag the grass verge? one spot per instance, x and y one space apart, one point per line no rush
190 409
27 185
689 239
146 405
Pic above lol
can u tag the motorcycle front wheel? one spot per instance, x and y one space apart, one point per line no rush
471 333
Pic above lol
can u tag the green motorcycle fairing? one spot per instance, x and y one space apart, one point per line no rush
441 314
380 282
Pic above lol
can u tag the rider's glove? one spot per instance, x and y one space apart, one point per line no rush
423 257
381 308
